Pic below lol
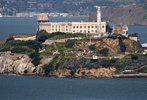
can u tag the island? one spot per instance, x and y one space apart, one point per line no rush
75 50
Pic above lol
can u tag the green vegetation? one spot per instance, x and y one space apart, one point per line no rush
53 65
12 45
104 51
35 57
72 72
25 71
122 46
133 35
92 47
70 43
62 35
81 50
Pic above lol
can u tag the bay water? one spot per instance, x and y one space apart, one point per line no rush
43 88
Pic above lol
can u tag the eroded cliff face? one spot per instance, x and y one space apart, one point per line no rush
15 64
87 73
133 15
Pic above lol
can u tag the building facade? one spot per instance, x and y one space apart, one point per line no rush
121 30
72 27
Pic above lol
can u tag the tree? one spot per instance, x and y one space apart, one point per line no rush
122 46
42 38
92 47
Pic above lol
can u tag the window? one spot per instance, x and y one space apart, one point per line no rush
102 26
77 26
84 26
73 26
92 26
81 31
73 30
80 26
52 26
88 26
92 30
95 30
95 26
84 31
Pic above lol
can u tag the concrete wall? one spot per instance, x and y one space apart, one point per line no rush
134 38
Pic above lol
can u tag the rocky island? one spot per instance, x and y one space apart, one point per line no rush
73 55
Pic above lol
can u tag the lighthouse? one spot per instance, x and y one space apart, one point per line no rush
99 19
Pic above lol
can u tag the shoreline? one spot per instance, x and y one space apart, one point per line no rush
84 77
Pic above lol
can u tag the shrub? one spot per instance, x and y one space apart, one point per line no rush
70 43
88 72
42 38
81 50
92 47
72 72
122 46
104 51
10 38
34 70
18 50
83 73
36 61
78 71
134 57
25 71
93 60
34 55
105 63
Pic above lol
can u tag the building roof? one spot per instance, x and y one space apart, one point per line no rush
144 45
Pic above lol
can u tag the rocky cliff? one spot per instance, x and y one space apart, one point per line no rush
19 63
16 64
86 73
132 15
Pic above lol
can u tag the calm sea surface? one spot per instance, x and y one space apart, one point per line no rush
28 25
40 88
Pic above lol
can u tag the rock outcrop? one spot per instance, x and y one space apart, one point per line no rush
86 73
15 63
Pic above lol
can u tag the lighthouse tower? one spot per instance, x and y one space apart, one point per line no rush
99 19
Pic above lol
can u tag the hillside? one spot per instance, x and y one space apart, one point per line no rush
133 15
73 57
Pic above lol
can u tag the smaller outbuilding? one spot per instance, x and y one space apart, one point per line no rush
144 47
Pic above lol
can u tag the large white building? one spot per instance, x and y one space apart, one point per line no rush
72 27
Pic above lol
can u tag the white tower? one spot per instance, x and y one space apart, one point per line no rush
99 19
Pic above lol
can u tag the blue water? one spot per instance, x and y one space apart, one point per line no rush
40 88
28 25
